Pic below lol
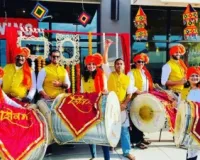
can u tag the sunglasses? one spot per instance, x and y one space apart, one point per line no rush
142 62
55 57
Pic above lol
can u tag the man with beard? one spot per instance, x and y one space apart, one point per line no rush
19 81
174 71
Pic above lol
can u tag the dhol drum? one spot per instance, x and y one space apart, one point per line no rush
149 111
23 134
80 125
187 125
45 109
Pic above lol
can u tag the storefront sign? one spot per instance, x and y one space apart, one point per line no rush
17 22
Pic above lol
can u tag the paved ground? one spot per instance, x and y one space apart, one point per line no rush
164 150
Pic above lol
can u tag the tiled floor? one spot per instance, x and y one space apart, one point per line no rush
164 150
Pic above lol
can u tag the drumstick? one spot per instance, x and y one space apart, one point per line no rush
161 89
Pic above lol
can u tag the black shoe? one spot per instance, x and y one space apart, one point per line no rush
49 151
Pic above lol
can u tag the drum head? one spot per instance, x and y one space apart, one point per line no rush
147 113
113 119
182 122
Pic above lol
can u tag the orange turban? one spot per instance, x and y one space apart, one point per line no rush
192 70
24 51
96 58
178 48
141 56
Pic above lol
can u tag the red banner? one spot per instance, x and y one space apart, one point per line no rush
196 124
21 131
79 112
17 22
169 105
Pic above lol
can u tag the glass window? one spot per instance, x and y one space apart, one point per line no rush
44 25
2 53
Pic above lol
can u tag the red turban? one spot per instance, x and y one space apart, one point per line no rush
24 51
178 48
96 58
193 70
141 56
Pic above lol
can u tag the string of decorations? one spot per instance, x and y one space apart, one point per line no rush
78 78
90 43
73 79
41 63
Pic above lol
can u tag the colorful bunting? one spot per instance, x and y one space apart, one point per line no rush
190 18
140 22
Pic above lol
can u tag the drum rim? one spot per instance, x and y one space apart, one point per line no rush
113 144
144 127
182 110
182 135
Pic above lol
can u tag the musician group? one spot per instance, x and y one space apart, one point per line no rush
19 86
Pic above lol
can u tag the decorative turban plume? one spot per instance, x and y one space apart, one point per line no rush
193 70
141 56
24 51
96 58
178 48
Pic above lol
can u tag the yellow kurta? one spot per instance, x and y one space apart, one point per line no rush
177 74
88 86
184 93
12 81
119 84
138 78
54 72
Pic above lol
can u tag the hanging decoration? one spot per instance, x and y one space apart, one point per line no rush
84 17
78 78
190 18
140 21
89 43
40 12
73 79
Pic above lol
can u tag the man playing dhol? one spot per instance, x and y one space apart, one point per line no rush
174 71
120 84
